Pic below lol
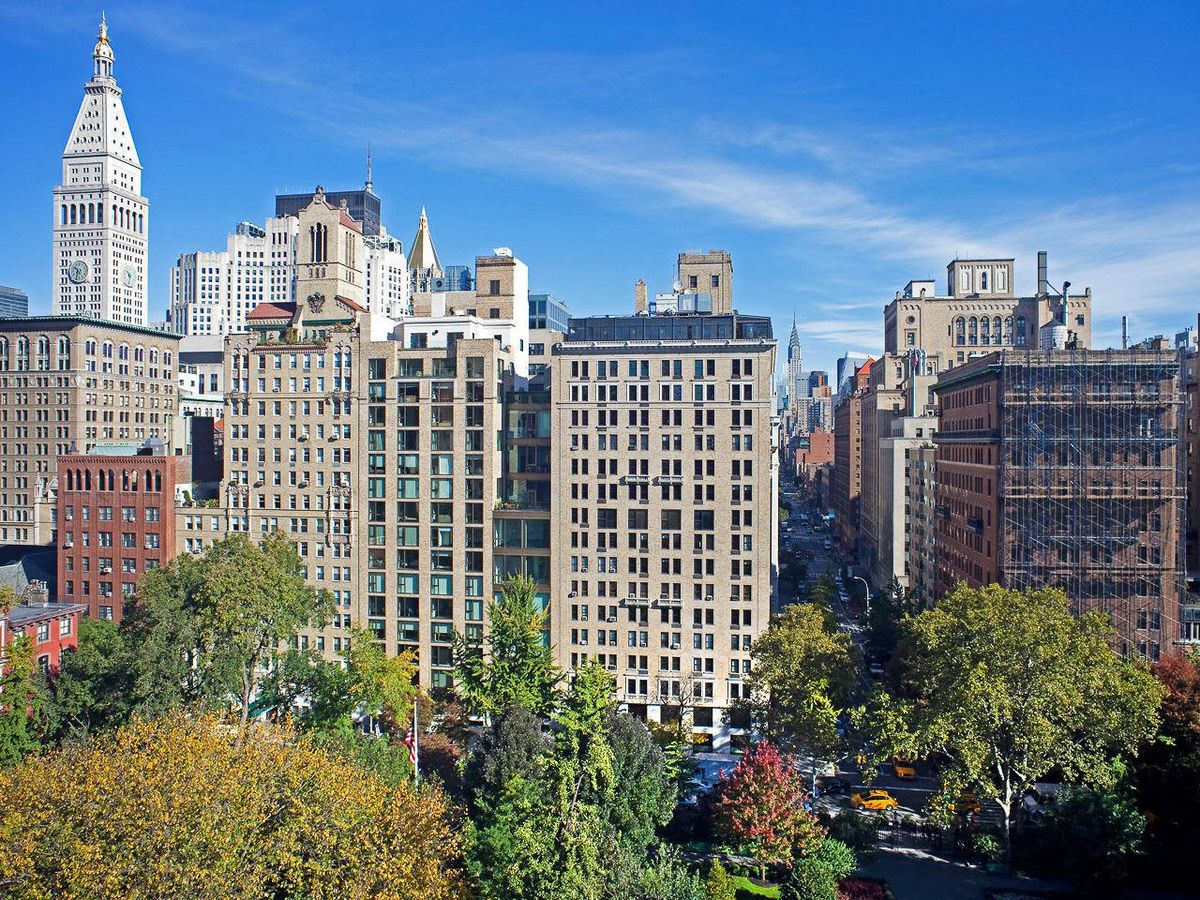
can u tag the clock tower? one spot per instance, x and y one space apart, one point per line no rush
101 219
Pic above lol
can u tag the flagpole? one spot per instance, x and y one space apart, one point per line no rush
416 752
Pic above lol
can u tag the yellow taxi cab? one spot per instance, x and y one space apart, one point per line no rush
967 803
873 798
905 769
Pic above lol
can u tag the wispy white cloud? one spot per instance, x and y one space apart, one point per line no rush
801 184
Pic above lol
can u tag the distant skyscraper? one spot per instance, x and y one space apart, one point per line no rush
13 302
847 365
364 207
548 312
795 367
100 216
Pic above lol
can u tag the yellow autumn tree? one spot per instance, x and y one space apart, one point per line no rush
179 807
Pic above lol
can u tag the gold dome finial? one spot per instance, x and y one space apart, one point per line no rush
103 54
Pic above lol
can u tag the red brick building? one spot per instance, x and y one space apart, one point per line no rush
846 481
1063 468
52 627
116 521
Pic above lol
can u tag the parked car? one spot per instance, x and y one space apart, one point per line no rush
834 785
873 798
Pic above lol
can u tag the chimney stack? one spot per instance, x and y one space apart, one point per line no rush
1043 287
640 304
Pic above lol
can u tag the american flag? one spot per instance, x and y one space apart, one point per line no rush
410 741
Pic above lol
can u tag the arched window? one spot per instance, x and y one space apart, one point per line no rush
1008 326
64 353
87 479
70 479
64 214
158 482
972 331
3 354
985 331
123 352
99 213
965 280
116 221
72 213
996 330
983 280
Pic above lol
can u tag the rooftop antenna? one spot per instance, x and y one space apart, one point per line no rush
369 183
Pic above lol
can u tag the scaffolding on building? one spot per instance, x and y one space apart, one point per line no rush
1094 484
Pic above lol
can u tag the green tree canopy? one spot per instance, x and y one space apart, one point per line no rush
1092 834
22 702
202 627
803 675
1008 686
93 688
518 668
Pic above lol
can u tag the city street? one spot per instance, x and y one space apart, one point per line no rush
811 543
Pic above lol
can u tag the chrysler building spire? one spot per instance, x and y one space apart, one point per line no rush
100 215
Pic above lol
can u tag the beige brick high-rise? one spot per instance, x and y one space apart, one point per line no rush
373 443
663 521
66 385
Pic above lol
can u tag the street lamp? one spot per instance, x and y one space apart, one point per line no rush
867 589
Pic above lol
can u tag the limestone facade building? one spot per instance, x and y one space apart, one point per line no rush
979 312
921 516
213 292
101 219
67 384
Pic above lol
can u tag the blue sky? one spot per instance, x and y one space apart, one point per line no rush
837 149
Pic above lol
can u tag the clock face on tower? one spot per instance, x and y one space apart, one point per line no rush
128 275
78 272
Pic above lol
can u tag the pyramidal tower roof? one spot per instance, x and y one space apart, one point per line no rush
101 127
423 254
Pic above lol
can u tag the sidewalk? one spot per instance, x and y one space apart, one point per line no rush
915 874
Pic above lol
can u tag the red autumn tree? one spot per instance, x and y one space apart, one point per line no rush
760 807
1168 767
